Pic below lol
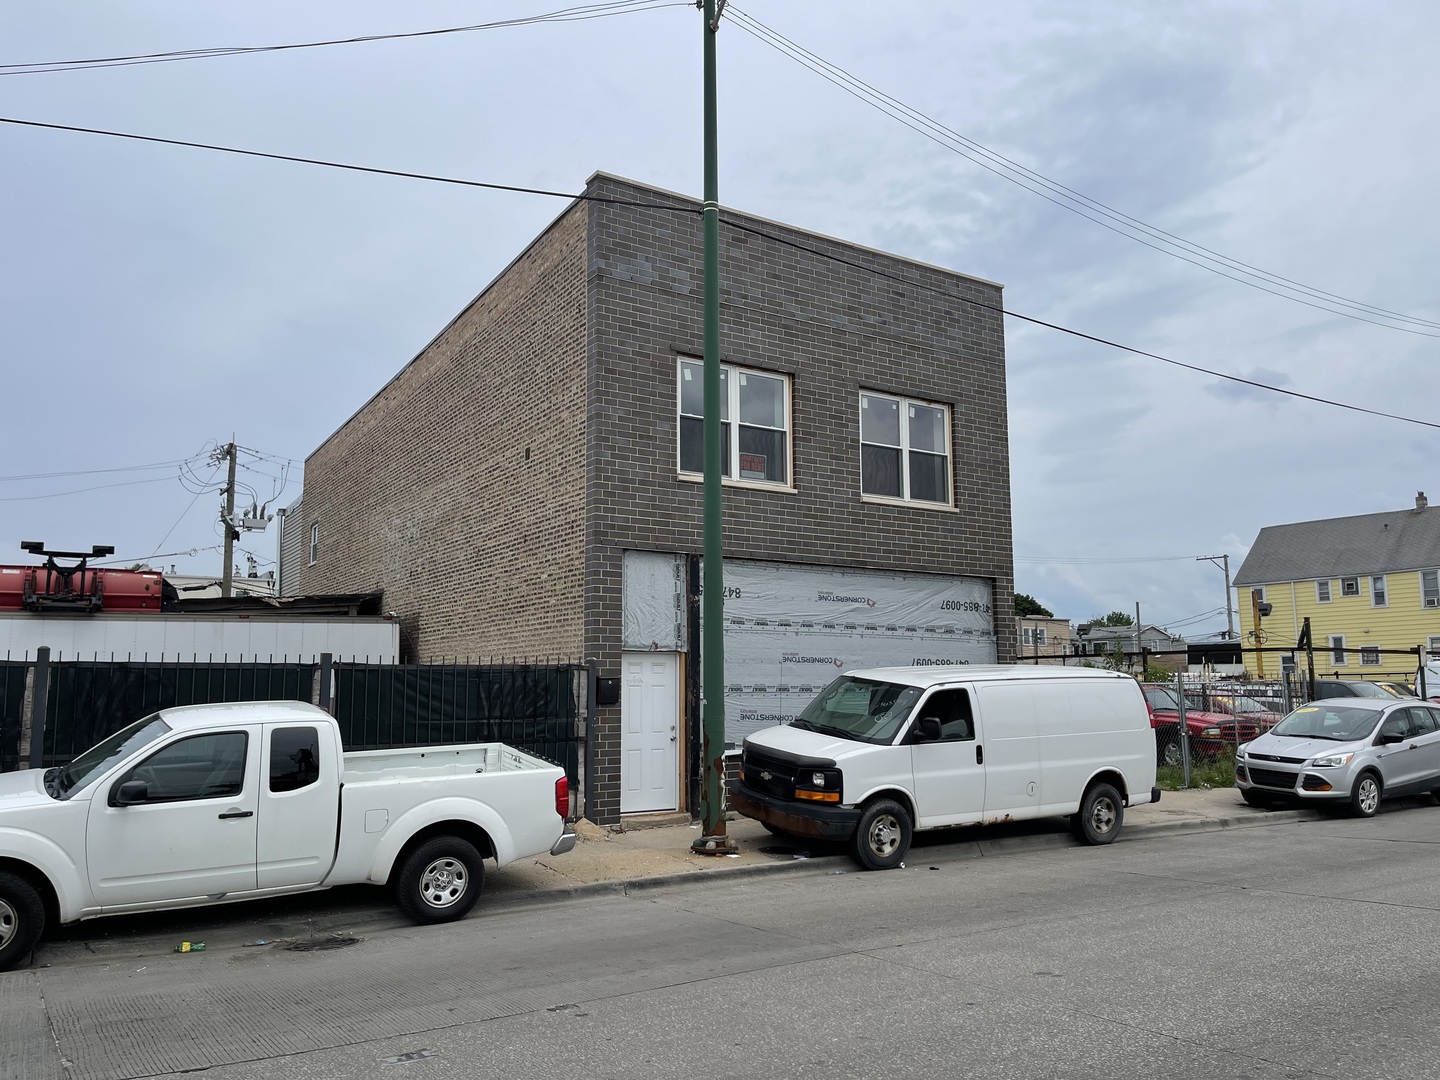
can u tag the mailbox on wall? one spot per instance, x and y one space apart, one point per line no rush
607 690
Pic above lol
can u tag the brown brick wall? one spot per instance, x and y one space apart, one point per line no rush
459 488
835 329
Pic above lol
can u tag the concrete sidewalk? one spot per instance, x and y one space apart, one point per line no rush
653 852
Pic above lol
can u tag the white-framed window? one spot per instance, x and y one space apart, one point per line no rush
1033 635
1322 591
1369 656
1430 588
904 449
1258 593
1377 591
757 448
1337 650
314 543
1433 644
1349 586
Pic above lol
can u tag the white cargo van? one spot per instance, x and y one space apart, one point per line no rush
885 751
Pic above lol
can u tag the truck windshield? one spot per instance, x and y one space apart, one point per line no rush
101 756
1341 723
861 709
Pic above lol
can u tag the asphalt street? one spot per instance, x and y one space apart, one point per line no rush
1296 949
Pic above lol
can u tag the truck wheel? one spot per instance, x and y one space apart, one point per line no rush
22 919
882 836
1101 813
1365 795
440 880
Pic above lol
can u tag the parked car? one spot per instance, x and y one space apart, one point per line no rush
1210 732
1395 688
213 803
1354 751
1247 708
1345 688
883 752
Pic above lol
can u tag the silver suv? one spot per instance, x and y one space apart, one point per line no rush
1355 750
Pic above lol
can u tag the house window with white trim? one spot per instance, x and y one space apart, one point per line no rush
904 449
1430 588
1337 650
758 451
314 543
1369 656
1377 591
1433 645
1322 591
1033 635
1349 586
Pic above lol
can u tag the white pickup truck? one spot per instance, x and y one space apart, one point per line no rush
209 804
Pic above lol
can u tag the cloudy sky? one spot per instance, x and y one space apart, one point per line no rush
156 300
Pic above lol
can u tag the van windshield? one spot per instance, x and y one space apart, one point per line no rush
861 709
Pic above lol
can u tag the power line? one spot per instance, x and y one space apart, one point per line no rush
97 472
673 208
82 491
575 14
1071 200
1066 330
1083 560
582 197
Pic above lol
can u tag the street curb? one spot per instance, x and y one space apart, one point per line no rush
1007 845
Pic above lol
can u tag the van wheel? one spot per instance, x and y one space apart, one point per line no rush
1365 795
882 836
1101 813
22 919
440 880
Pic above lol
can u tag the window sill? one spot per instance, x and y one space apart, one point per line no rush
752 485
909 504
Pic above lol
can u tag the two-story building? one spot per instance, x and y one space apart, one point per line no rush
530 483
1368 584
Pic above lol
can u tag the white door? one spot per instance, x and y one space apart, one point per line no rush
650 732
194 833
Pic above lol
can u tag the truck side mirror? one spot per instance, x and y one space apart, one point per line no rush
131 792
928 730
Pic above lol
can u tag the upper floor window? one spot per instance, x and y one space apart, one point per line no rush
1337 650
1369 655
1377 591
757 448
904 449
314 543
1033 635
1430 588
1322 591
1349 586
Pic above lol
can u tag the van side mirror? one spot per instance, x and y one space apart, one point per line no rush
928 730
132 792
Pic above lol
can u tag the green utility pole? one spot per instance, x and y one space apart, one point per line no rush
712 840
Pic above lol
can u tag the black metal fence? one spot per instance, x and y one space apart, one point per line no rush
540 707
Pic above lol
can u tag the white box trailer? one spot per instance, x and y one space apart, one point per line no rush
233 636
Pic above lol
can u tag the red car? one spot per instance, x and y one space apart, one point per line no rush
1247 708
1210 732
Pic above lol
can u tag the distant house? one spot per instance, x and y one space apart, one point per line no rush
1369 584
1102 641
1044 640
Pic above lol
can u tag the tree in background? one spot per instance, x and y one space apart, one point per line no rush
1115 618
1028 605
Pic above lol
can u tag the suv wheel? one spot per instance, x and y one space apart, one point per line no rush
1365 795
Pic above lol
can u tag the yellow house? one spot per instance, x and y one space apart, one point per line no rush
1368 584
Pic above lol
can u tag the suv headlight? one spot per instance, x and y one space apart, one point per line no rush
1240 750
1331 761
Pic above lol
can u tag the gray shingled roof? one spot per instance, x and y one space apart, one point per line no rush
1344 547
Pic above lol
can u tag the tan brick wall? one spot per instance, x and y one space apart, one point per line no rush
459 488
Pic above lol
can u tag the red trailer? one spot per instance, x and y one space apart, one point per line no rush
53 587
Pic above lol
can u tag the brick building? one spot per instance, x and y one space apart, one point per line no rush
528 485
